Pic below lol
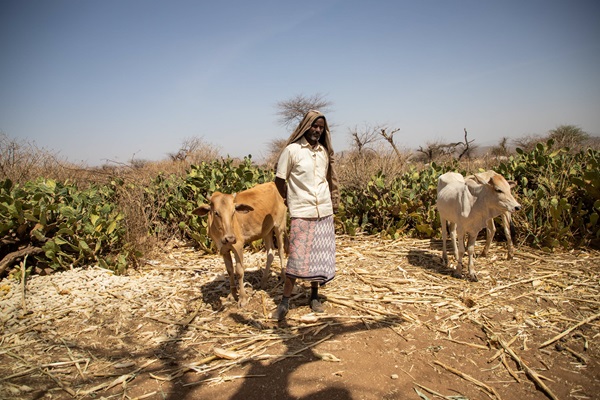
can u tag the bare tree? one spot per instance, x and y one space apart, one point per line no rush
389 137
528 142
467 149
436 150
292 111
570 136
22 160
501 150
275 147
593 142
363 137
290 114
194 150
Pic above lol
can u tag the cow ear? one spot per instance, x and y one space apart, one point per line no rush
480 178
202 210
243 208
512 184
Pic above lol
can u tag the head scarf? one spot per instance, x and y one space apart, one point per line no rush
325 140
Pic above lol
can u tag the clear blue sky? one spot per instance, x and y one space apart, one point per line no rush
114 79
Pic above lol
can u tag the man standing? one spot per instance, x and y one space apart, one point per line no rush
306 180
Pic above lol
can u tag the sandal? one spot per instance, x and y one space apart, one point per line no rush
316 306
281 312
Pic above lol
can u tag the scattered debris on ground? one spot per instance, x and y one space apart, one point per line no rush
397 326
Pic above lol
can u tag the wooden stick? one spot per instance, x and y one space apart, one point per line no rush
509 369
223 379
145 396
354 306
302 349
30 327
477 346
264 306
531 373
432 391
63 386
500 351
120 379
73 359
189 320
528 371
31 369
205 360
576 355
373 312
469 378
43 370
11 257
565 333
498 288
23 283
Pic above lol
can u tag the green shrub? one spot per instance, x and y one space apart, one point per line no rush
102 223
400 206
178 197
559 192
72 226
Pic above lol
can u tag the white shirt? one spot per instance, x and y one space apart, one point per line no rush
305 170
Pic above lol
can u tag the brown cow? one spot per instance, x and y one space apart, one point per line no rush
237 219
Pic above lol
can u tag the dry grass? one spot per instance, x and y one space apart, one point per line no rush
22 161
169 325
355 169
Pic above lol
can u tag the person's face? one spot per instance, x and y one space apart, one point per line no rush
313 133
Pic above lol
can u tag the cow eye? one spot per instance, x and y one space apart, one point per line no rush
498 190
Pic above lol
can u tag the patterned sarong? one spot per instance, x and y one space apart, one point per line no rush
312 249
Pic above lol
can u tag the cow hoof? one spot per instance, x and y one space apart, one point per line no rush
243 303
473 277
457 274
231 298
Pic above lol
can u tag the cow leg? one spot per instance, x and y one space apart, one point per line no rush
506 221
454 239
231 273
238 250
490 232
460 253
471 252
281 250
444 238
268 239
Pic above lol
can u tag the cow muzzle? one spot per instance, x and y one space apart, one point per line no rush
229 239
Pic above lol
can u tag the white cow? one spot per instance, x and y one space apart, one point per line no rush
506 217
467 208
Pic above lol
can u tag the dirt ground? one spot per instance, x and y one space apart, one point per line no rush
397 326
